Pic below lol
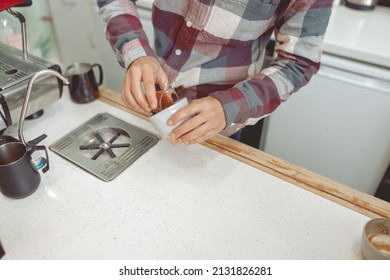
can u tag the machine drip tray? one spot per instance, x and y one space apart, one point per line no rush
104 145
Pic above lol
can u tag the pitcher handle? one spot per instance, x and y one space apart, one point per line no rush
100 72
33 149
35 141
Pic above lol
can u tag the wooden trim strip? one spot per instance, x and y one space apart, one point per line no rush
361 202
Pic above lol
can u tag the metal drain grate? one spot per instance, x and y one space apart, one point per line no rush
104 145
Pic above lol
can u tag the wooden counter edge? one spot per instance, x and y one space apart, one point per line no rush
349 197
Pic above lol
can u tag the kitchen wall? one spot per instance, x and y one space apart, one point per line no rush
82 39
75 31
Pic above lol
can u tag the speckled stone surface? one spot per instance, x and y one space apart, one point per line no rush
174 202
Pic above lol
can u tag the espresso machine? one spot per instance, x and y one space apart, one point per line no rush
16 68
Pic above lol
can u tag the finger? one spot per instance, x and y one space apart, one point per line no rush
162 79
188 111
127 96
136 90
187 127
201 138
203 126
195 133
126 89
132 104
150 89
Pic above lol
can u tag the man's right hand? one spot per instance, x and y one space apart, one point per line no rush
146 70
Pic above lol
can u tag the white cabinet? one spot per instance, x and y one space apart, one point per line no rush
81 36
338 126
75 31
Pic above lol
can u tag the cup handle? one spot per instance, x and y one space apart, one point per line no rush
2 251
100 73
33 149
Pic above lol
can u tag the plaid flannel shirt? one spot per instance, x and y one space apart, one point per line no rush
216 48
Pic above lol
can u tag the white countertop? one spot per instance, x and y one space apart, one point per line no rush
359 35
174 202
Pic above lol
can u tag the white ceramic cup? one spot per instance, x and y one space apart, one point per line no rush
160 120
375 239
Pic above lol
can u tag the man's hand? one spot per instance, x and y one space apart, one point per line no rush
208 120
148 71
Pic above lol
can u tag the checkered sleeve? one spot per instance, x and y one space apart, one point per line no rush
299 35
124 30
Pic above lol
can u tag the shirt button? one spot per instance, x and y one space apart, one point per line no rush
178 52
189 23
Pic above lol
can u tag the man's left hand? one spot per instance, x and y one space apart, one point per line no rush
208 120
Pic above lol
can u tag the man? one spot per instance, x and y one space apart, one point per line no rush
213 50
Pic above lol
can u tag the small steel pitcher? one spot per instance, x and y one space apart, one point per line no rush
83 87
